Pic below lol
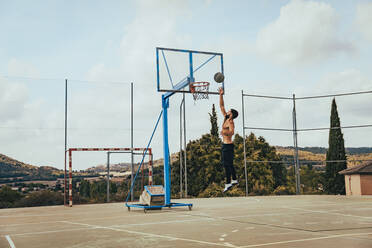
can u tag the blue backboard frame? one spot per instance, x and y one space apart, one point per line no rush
189 78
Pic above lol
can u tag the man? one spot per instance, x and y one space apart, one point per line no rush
227 145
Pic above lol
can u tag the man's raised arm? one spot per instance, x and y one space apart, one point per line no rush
222 104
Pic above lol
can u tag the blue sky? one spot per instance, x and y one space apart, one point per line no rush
270 47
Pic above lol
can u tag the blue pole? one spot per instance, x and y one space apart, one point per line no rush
157 69
222 71
143 156
167 180
191 68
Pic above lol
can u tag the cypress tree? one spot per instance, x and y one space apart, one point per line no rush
334 183
213 119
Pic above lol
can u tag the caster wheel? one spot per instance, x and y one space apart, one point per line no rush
128 208
145 210
190 207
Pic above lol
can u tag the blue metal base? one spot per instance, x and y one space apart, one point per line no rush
146 207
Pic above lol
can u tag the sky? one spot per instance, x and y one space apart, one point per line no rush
269 47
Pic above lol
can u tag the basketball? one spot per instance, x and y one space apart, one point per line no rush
219 77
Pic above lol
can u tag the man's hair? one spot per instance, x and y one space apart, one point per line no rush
234 113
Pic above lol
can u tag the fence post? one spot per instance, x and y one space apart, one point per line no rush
244 152
296 161
108 176
131 140
65 177
184 143
181 155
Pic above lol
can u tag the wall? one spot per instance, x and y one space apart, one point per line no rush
352 185
366 184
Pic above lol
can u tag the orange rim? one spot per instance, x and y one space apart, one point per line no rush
197 84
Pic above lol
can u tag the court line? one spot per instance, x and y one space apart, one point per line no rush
55 231
163 222
308 239
31 223
10 241
269 225
206 217
153 235
328 212
86 219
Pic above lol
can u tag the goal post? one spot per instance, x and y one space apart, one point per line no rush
129 150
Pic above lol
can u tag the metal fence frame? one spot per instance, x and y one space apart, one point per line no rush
294 130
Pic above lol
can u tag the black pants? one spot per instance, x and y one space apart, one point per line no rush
227 155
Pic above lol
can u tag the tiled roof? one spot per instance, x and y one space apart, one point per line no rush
365 168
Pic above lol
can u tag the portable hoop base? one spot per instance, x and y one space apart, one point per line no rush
146 207
153 197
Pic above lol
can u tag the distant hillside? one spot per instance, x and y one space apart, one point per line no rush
125 166
314 154
323 150
12 169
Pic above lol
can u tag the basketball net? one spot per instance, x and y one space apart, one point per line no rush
199 90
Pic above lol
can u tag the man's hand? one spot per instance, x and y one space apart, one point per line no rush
221 91
222 105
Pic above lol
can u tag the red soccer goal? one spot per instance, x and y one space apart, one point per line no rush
69 151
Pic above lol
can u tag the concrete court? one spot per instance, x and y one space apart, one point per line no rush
269 221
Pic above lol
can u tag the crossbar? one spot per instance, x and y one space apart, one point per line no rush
70 150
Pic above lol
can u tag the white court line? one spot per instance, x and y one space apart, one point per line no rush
328 212
153 235
33 223
308 239
10 241
45 232
164 222
26 215
246 215
85 219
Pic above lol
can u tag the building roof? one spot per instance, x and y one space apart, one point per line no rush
365 168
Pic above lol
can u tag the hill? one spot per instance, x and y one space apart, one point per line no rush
121 167
311 155
14 170
323 150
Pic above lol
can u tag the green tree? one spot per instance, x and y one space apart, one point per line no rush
206 175
8 197
310 179
84 188
113 188
94 193
41 198
213 120
260 176
334 182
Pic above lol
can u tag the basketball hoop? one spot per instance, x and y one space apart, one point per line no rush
199 90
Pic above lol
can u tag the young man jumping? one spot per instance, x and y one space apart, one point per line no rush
227 154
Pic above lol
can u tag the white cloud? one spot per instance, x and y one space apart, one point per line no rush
155 24
353 109
17 67
305 31
315 113
13 97
364 19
